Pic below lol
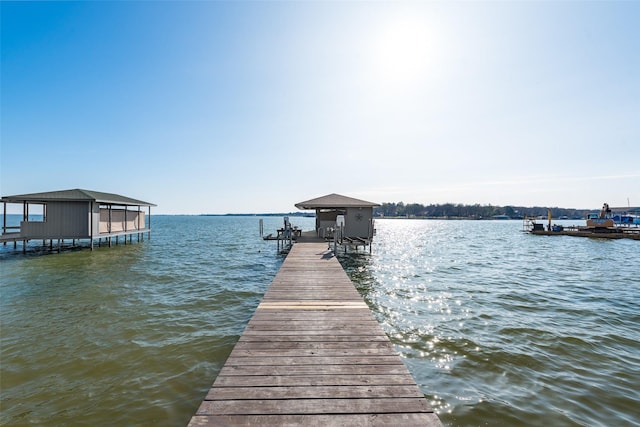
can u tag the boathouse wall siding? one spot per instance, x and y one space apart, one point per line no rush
357 222
63 219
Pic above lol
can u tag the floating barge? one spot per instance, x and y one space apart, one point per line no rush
600 226
615 233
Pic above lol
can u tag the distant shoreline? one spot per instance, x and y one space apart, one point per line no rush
295 214
439 218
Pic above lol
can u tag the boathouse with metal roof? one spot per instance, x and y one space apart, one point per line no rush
75 215
355 215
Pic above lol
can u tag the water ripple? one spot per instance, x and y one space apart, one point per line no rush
504 328
498 327
129 335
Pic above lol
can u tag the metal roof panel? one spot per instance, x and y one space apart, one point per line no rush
335 201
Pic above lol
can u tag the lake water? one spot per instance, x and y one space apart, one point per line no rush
497 326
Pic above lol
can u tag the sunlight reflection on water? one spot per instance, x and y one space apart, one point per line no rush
501 327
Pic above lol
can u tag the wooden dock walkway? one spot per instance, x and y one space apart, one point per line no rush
313 354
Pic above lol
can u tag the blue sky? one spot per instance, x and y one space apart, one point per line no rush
221 107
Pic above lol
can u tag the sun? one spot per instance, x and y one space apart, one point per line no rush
403 51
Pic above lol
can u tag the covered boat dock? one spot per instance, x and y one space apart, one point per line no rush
76 215
345 220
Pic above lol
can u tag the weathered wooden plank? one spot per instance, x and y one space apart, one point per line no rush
337 420
320 333
229 370
312 338
319 314
265 349
315 406
301 303
243 351
317 330
313 392
345 321
351 316
323 310
325 304
323 276
249 358
312 380
280 346
295 327
282 318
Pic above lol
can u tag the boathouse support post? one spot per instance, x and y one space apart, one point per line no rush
25 217
91 223
125 225
138 224
109 224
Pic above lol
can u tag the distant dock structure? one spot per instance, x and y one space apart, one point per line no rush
76 215
340 220
344 220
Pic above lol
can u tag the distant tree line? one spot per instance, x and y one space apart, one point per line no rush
477 211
